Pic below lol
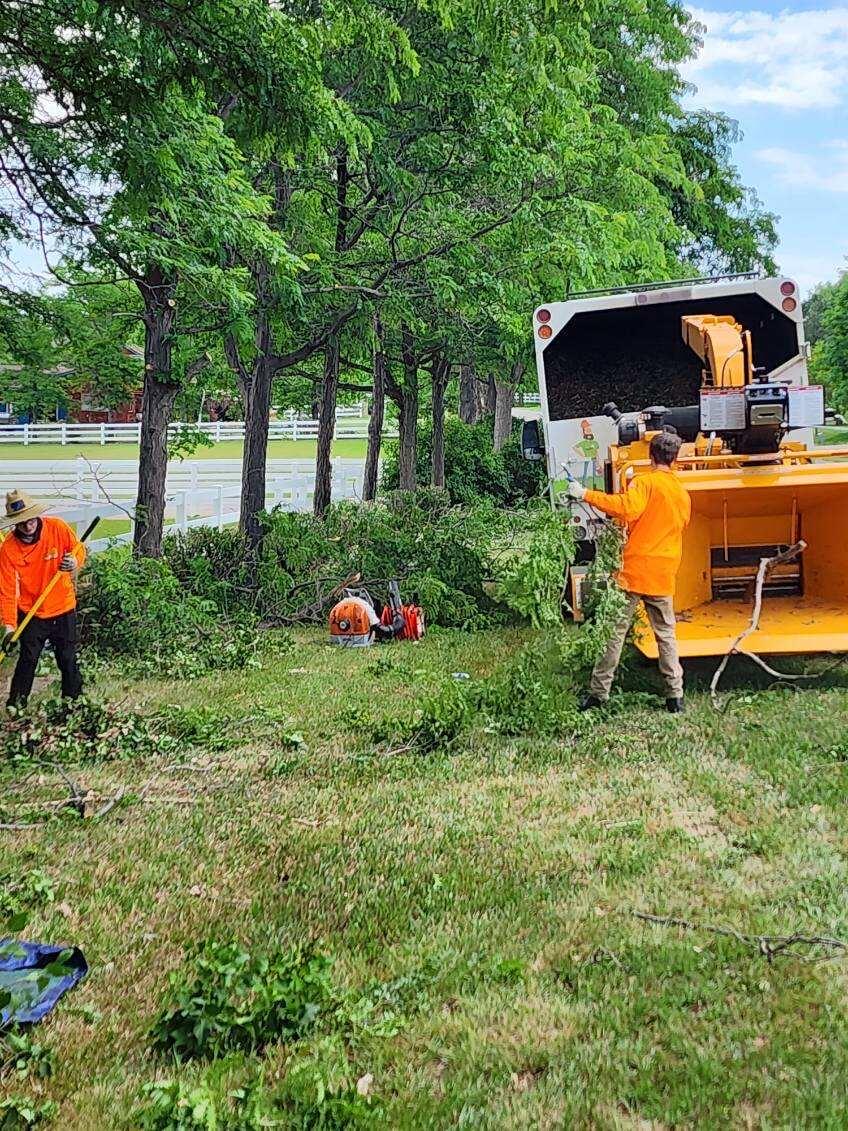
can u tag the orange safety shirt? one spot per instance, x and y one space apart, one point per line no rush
656 509
26 569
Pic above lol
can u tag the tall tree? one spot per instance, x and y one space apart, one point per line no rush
112 134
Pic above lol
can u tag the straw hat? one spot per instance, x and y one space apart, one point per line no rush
19 508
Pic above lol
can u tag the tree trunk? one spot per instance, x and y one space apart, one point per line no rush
441 372
157 404
491 396
375 422
326 429
408 422
482 389
503 406
256 383
469 402
256 397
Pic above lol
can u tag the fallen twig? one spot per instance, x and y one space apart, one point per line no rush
769 946
765 568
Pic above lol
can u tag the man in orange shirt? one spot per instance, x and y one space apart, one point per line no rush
656 509
40 546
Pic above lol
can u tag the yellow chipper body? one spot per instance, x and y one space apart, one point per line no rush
754 494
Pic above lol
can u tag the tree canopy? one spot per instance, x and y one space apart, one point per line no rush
275 184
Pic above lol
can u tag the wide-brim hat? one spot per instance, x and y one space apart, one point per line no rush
20 507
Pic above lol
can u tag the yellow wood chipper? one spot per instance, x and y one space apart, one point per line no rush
759 483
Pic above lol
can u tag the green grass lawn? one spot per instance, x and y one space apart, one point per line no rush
227 449
496 886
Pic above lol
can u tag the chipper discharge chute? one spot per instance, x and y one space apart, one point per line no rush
754 493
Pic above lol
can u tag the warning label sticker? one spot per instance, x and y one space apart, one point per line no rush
722 410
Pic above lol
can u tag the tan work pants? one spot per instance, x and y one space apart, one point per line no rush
660 612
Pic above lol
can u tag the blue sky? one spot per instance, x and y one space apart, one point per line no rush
782 72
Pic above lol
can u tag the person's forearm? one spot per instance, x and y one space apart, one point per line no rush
626 506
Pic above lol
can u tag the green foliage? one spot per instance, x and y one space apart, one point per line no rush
318 1093
186 441
435 726
17 1113
174 1105
437 551
535 692
55 730
532 583
473 470
24 891
137 609
230 999
24 1057
830 355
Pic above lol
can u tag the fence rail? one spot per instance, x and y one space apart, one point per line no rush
349 424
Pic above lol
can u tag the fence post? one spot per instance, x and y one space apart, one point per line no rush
217 431
181 515
26 433
294 427
219 506
103 434
63 428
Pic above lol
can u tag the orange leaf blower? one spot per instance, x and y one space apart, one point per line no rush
354 622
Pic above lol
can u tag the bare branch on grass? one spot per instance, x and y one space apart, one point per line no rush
769 946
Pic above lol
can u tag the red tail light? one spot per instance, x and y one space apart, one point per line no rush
545 331
787 288
543 315
789 305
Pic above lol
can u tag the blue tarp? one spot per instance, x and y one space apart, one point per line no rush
35 989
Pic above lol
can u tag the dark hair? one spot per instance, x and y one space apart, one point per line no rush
664 448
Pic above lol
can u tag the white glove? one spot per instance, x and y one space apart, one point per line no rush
68 563
575 490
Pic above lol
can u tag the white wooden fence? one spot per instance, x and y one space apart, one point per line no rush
198 492
350 422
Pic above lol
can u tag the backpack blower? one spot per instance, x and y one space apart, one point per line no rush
355 623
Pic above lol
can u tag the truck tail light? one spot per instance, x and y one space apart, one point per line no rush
545 331
543 315
787 287
789 305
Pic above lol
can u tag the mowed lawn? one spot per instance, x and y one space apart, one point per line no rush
498 883
353 448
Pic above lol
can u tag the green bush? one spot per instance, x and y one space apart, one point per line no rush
138 609
20 1112
228 999
473 470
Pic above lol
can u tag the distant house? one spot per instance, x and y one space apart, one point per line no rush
82 403
85 410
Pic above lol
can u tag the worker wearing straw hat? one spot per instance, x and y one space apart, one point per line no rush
38 547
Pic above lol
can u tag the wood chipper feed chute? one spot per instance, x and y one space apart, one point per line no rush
743 514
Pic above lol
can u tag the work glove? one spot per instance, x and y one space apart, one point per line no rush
68 564
575 490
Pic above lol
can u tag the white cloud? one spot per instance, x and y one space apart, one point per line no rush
825 169
793 60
